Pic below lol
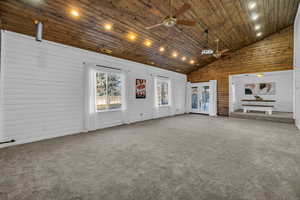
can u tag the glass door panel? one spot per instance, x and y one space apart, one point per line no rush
194 97
204 99
200 98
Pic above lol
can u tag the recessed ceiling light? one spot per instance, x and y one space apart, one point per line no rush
252 5
148 43
175 54
259 34
131 36
254 16
108 27
192 62
260 75
74 13
161 49
107 51
35 2
183 58
257 27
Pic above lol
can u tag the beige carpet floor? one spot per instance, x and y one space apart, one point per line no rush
188 157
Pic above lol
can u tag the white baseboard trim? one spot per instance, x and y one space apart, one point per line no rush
39 138
107 125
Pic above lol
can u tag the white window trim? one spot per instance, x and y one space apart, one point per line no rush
159 79
122 90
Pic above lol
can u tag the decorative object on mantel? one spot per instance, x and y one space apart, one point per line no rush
258 98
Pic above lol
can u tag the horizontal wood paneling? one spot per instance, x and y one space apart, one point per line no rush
228 20
274 53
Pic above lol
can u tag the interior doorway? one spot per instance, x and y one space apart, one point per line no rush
263 96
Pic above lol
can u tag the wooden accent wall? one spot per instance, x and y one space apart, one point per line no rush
274 53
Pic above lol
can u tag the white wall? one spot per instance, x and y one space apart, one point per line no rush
43 86
284 89
297 67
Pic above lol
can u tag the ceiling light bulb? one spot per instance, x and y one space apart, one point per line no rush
131 36
174 54
252 5
254 16
257 27
35 2
259 34
260 75
74 13
148 43
161 49
192 62
108 27
183 58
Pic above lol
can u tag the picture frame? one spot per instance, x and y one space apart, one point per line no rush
140 89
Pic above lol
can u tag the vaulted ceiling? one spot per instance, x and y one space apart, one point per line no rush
228 20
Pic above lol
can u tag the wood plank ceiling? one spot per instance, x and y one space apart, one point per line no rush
228 20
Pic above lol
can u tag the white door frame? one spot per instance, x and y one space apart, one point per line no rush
230 82
212 93
199 87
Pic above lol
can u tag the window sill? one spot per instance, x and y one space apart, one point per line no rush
163 106
111 110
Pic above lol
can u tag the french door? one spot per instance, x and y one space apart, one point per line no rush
200 98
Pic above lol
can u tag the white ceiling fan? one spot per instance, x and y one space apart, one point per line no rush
217 53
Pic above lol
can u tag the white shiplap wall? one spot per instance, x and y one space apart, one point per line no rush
297 67
42 85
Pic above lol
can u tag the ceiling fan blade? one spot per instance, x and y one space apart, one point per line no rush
186 22
154 26
224 51
226 54
182 10
217 55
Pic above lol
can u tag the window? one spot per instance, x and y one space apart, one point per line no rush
162 92
108 91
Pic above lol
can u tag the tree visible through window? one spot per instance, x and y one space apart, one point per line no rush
108 91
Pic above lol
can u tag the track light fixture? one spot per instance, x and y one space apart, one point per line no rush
39 31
